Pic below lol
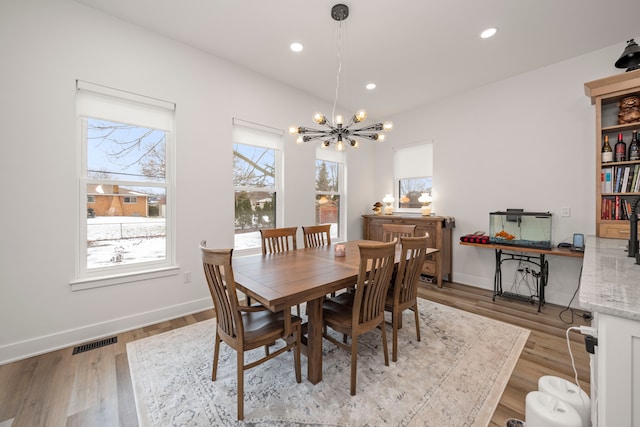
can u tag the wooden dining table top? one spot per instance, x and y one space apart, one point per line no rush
289 278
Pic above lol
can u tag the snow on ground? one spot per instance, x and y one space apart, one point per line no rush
117 240
126 240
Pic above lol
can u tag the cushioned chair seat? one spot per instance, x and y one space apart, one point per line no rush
263 327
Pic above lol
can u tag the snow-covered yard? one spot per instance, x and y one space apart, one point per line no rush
125 240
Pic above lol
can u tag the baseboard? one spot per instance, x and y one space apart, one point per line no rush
44 344
475 281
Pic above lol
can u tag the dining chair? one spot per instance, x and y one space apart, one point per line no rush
275 240
403 293
396 231
316 235
245 328
353 314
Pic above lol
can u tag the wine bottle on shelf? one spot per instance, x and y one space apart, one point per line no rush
634 147
621 149
607 152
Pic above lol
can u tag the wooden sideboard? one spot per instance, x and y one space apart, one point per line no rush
439 229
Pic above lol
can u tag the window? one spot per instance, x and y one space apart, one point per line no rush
256 181
330 189
413 166
127 177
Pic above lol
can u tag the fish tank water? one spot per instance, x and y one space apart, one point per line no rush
519 228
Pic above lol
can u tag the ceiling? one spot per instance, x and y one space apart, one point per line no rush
416 51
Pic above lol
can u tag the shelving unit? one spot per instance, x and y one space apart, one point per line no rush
605 94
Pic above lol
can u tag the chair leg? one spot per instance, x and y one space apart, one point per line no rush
354 363
240 381
415 312
394 324
216 352
384 343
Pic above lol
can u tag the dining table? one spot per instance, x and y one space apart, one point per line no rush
282 280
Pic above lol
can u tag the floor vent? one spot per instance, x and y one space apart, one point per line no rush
94 345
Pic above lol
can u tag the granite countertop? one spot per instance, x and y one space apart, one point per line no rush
610 281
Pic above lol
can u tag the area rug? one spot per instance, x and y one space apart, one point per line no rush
454 376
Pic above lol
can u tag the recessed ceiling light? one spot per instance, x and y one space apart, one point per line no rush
489 32
371 86
296 47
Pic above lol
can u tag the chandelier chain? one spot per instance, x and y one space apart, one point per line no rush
335 99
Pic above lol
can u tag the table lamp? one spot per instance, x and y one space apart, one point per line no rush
425 199
388 200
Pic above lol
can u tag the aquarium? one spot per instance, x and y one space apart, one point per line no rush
519 228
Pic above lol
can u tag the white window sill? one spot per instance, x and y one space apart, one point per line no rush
118 279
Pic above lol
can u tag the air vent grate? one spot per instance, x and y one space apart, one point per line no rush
94 345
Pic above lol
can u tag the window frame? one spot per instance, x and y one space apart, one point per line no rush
87 278
413 171
325 155
274 139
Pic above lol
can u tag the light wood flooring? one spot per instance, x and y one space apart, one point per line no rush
94 388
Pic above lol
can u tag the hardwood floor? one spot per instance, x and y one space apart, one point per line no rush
94 388
545 352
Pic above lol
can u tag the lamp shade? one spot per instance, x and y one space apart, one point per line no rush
630 58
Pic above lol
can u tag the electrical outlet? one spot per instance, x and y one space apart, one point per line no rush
186 276
565 212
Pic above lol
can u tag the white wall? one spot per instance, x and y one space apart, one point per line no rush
46 45
525 142
538 128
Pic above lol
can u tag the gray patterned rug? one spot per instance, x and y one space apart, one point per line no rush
453 377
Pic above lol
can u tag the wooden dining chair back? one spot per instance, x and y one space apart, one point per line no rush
316 235
396 231
276 240
403 294
245 328
353 314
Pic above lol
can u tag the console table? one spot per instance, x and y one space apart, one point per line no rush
439 228
533 256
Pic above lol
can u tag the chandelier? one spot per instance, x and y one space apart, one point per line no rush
336 131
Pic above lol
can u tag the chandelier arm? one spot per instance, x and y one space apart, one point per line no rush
308 138
372 136
373 128
305 130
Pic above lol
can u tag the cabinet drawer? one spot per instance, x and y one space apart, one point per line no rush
614 231
429 267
